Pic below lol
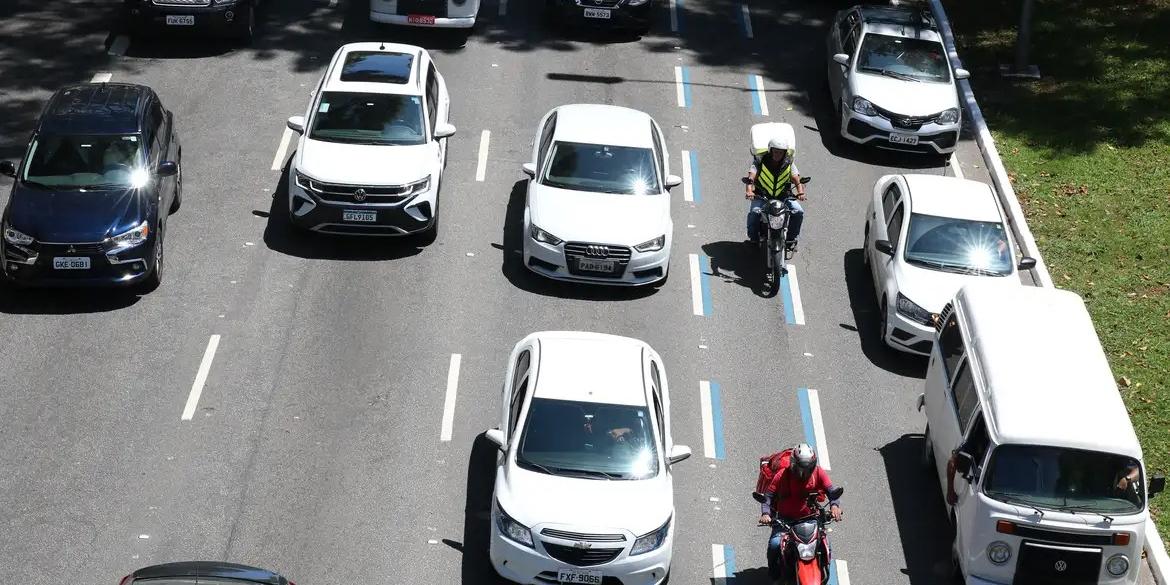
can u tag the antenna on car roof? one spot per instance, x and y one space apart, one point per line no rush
381 45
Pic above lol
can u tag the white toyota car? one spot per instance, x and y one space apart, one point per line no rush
584 490
925 237
598 206
373 144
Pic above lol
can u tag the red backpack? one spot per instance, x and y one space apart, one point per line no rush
770 467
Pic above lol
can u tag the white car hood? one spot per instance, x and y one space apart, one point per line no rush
363 164
910 98
594 506
933 289
602 218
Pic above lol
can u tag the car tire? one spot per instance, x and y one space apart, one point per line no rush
154 279
884 321
927 458
177 202
864 246
247 30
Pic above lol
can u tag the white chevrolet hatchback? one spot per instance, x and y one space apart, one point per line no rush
598 206
584 490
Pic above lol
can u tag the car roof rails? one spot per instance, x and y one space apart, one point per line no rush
904 12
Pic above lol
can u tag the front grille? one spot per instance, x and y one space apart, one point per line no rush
182 2
905 122
583 537
92 249
576 251
1046 564
581 557
551 577
1064 537
436 8
348 194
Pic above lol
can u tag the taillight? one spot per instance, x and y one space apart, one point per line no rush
1005 527
1121 538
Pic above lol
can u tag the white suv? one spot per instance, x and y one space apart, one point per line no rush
584 484
373 144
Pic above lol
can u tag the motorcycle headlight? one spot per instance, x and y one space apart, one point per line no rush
16 237
511 529
999 552
1117 565
863 107
651 541
131 237
652 245
909 309
948 116
806 550
543 236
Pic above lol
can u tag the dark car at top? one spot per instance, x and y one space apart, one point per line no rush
203 573
633 15
226 18
91 197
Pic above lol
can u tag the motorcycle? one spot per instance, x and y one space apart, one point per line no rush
804 545
774 217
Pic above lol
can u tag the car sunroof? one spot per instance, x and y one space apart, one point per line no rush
377 67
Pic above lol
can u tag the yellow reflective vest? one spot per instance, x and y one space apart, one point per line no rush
771 184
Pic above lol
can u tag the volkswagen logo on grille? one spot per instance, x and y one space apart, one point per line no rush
597 251
1060 566
359 195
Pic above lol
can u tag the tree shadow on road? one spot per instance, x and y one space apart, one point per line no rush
867 321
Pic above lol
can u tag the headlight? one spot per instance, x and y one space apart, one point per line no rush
948 116
999 552
909 309
16 237
512 529
862 106
303 181
1117 565
543 236
652 245
636 2
132 237
418 186
651 541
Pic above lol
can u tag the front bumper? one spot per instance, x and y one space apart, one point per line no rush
123 268
620 14
907 335
219 19
434 22
309 211
551 262
876 130
532 566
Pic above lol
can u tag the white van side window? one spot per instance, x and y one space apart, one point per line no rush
965 396
950 344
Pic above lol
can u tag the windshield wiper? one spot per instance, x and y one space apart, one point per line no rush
901 76
38 185
1024 503
595 473
539 467
1085 508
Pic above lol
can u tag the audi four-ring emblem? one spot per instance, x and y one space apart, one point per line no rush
597 251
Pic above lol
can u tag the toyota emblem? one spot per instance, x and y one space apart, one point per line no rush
904 121
1060 566
597 251
359 195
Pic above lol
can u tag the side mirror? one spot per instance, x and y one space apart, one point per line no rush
962 74
804 180
841 59
679 453
1157 484
835 493
529 169
444 130
7 168
297 124
1027 263
496 436
167 168
965 465
673 181
885 247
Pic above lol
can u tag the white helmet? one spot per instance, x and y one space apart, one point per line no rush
780 142
804 459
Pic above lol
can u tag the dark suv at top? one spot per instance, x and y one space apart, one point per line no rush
228 18
91 197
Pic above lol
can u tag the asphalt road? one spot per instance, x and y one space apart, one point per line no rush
314 448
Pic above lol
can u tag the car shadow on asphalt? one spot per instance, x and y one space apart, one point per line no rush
481 480
737 263
512 263
61 301
920 513
280 235
867 322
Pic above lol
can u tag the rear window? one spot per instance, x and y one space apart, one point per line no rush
377 67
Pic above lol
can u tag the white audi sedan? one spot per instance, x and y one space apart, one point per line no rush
598 207
925 237
584 490
373 144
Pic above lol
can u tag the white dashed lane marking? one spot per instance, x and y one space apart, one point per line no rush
278 160
200 378
102 77
449 399
481 165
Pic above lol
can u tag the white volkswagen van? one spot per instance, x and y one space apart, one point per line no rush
428 13
1049 477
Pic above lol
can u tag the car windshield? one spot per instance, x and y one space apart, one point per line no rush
85 162
622 170
958 245
1070 480
369 118
903 58
588 439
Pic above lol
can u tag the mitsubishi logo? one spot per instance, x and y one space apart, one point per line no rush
71 249
359 195
597 251
582 545
1060 566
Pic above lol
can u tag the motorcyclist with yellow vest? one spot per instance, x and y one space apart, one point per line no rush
770 176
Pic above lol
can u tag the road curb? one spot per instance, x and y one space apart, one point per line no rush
1156 554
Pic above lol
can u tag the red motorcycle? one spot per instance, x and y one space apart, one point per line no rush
804 544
